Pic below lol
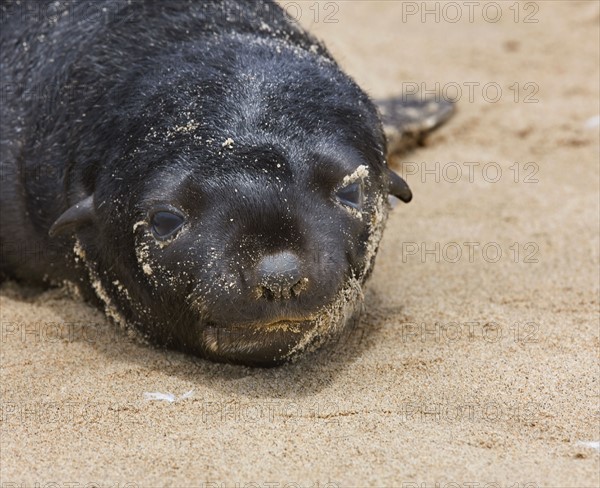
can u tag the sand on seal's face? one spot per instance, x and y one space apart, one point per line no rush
475 373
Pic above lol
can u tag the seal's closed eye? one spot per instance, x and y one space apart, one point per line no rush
351 195
165 224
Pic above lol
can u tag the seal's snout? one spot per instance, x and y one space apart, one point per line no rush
280 276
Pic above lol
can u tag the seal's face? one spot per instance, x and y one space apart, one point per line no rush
243 219
267 262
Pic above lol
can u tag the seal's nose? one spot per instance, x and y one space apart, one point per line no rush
279 276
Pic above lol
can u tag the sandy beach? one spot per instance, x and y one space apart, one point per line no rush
476 360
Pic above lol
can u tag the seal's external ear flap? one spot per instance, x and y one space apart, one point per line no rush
78 214
399 188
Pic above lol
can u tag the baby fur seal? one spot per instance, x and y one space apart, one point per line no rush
202 171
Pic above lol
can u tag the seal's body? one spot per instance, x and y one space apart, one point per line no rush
203 171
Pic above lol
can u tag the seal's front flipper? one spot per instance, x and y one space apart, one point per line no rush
398 187
80 213
408 120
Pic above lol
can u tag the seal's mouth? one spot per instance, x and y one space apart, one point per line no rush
278 339
257 344
287 324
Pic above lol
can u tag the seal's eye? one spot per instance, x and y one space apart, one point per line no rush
351 195
165 224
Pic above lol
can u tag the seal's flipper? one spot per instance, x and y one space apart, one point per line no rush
399 188
78 214
408 120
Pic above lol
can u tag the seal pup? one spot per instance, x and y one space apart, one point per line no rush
202 171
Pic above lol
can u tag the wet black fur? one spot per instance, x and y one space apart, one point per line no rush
134 106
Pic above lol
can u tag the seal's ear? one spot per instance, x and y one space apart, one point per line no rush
398 187
78 214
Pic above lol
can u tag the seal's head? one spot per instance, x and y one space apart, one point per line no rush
242 203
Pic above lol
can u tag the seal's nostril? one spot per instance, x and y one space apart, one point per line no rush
279 275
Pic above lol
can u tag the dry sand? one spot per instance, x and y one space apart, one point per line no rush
461 372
